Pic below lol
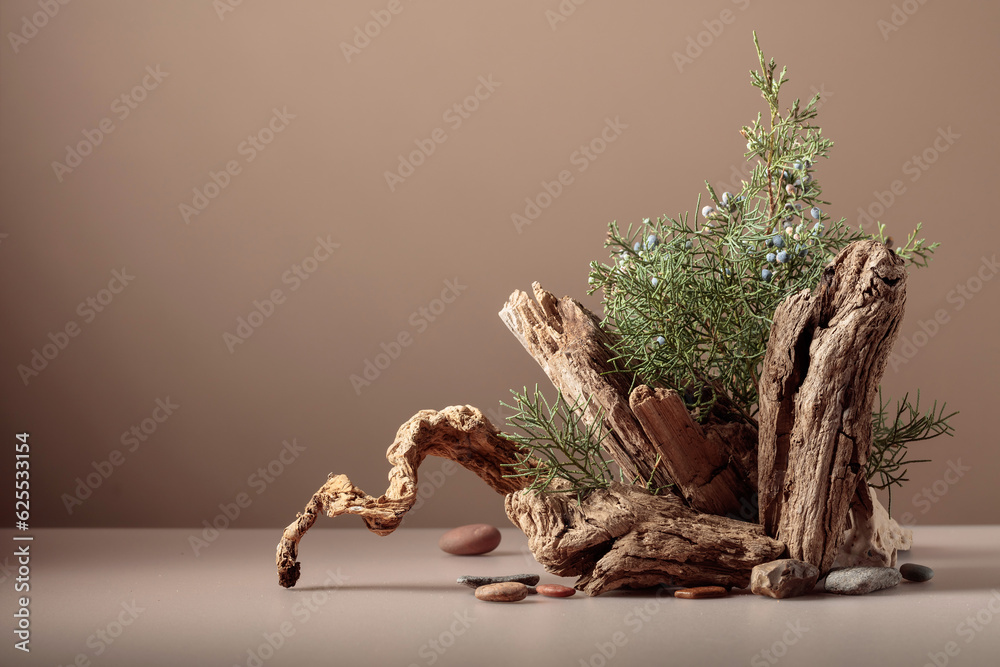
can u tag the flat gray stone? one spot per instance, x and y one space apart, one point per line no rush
472 581
785 578
861 580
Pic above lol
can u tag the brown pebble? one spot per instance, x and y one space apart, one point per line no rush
508 591
701 592
471 540
555 591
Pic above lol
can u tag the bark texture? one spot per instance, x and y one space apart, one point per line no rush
623 537
459 433
650 434
568 343
708 473
825 356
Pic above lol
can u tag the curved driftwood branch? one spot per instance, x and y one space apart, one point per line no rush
825 357
459 433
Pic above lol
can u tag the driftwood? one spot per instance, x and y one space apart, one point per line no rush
650 435
825 356
459 433
568 343
826 353
660 538
623 537
871 538
708 473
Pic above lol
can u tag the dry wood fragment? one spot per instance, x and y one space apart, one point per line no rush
872 538
575 352
826 353
623 537
459 433
706 472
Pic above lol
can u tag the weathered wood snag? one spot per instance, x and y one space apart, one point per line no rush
623 537
825 356
460 433
569 344
650 434
627 527
871 538
708 473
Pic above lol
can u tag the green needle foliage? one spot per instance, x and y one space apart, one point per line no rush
560 442
892 432
691 298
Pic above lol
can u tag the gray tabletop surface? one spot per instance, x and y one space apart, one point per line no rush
144 597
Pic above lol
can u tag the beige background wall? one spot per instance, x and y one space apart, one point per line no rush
343 124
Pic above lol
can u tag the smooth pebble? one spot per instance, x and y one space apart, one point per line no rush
861 580
555 591
914 572
507 591
471 540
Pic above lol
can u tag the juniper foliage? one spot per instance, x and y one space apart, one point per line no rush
691 298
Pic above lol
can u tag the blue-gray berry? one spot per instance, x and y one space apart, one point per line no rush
688 245
778 241
815 212
660 340
770 257
707 210
782 257
651 241
655 282
766 274
636 246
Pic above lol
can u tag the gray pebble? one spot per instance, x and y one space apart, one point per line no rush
914 572
861 580
473 581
